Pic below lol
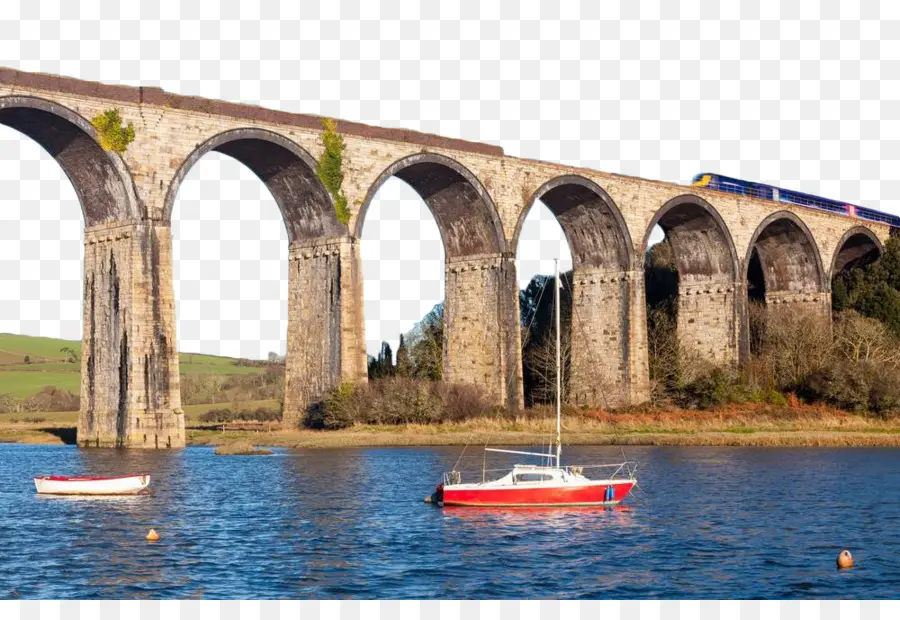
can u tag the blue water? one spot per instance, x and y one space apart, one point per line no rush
713 522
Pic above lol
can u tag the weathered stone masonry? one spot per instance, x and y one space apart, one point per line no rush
479 197
129 379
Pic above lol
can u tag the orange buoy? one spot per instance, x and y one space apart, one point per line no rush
152 535
844 559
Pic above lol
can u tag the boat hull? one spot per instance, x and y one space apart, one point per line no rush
65 485
594 494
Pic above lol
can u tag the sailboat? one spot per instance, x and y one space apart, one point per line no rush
547 484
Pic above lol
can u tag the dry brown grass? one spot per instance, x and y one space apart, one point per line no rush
743 425
796 424
240 448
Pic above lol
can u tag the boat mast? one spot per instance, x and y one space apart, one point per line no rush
558 366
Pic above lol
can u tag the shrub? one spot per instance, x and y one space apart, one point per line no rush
340 408
864 375
217 415
112 135
260 414
795 343
397 400
709 390
52 398
462 402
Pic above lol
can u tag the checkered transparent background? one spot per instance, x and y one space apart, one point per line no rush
796 95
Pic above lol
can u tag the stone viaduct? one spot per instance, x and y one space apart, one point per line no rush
479 197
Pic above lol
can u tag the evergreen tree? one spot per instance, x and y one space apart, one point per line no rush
404 366
383 366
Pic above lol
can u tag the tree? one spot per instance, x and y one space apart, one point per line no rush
384 365
71 356
425 343
539 337
872 290
404 366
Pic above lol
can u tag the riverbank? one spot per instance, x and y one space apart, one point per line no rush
744 425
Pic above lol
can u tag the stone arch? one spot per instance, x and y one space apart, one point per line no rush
787 254
287 170
481 335
466 216
858 246
704 292
601 355
701 242
101 180
590 219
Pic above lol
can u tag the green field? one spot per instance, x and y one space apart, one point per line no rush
14 348
25 384
48 365
218 369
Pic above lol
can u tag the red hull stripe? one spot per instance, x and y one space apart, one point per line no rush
552 496
85 478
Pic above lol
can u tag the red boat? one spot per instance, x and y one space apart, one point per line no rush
535 485
541 485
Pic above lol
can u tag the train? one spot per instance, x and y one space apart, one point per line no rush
770 192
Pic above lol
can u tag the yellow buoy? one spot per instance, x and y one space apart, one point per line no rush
152 535
844 559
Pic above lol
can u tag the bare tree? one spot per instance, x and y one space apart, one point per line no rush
540 359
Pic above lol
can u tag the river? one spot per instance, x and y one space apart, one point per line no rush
710 523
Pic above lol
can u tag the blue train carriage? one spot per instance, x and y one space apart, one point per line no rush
731 185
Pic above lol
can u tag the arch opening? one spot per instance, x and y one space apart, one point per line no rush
287 171
787 256
229 255
465 215
689 279
403 278
540 240
99 178
858 248
42 253
478 314
782 267
594 298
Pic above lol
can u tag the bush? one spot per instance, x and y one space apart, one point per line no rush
111 133
863 387
261 414
795 343
52 398
864 374
397 400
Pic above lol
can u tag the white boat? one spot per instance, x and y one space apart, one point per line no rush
84 485
541 485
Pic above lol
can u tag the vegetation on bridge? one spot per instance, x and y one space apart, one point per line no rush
112 134
330 168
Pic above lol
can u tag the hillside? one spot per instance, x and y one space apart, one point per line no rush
47 365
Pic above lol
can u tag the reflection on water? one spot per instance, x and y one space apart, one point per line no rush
714 522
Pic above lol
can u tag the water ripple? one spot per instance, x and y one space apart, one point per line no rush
713 523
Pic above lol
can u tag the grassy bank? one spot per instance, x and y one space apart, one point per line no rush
30 363
745 425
